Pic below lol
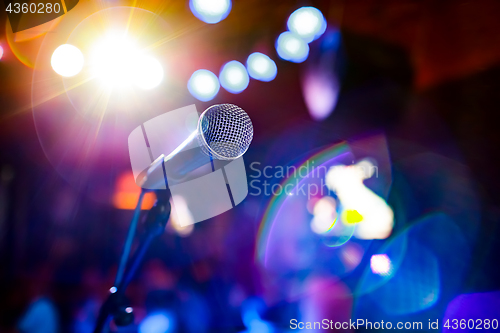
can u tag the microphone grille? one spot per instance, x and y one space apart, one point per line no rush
226 131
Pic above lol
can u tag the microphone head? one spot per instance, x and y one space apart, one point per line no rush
225 131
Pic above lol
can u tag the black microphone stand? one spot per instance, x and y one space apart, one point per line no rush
116 305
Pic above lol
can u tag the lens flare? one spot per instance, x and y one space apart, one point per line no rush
261 67
210 11
67 60
291 47
308 23
203 85
113 59
234 77
149 73
117 61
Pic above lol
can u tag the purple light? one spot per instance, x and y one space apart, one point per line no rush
472 312
321 91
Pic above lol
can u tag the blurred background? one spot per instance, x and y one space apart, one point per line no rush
406 89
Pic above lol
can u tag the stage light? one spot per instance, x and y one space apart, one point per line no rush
234 77
113 60
203 85
1 52
210 11
149 73
370 213
261 67
291 47
159 322
308 23
67 60
117 61
381 264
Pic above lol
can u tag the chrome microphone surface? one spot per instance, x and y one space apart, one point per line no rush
225 131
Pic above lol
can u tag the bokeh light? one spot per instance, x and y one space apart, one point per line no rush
325 215
291 47
126 193
261 67
1 52
234 77
381 264
251 310
159 322
203 85
308 23
181 213
351 255
67 60
210 11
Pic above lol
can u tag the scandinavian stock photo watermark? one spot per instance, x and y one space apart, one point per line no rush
307 179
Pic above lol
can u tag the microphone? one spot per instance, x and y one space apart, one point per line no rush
224 133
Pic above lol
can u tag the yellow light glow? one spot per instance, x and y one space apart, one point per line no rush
352 216
67 60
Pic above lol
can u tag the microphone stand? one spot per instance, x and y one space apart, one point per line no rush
116 305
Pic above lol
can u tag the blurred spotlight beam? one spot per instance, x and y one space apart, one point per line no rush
320 82
131 14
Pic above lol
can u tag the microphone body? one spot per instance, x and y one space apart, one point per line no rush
223 134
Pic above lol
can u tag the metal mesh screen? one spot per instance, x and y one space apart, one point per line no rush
225 131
